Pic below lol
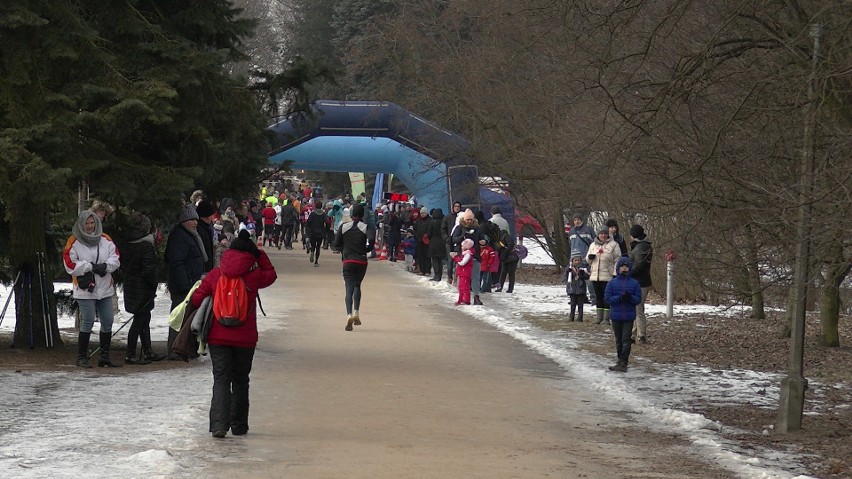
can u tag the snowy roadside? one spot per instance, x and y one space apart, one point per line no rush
657 396
47 436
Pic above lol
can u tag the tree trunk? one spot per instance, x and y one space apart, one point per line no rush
830 314
787 329
29 239
753 271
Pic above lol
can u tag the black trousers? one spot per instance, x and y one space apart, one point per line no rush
288 235
229 407
508 270
622 331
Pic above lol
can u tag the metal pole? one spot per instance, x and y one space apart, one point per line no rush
9 299
670 279
794 385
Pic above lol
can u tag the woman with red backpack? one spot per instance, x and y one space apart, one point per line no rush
232 345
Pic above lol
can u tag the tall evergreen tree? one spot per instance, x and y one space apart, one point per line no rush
132 97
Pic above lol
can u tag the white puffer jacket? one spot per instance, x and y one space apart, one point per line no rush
79 258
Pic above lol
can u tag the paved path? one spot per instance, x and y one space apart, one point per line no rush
419 390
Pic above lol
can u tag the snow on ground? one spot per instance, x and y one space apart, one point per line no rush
65 425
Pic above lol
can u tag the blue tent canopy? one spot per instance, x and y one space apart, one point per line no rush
380 137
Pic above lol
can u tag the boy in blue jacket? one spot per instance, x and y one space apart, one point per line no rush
622 293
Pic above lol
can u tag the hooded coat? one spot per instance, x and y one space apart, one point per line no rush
437 243
621 307
257 273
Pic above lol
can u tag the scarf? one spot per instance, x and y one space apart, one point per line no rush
79 231
149 238
200 243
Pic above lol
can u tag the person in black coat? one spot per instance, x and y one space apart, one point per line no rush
316 228
206 231
616 236
641 254
393 224
185 258
447 226
139 263
437 243
471 229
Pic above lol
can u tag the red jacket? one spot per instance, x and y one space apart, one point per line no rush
268 215
237 263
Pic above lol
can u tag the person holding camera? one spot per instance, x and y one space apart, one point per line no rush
602 256
90 257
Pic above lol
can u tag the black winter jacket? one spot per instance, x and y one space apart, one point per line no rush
437 243
641 254
139 264
184 260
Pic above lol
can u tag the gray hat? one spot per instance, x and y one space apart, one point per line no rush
187 213
424 211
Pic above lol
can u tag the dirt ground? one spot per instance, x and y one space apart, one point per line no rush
725 342
825 441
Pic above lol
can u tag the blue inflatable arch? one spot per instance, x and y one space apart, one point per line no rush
380 137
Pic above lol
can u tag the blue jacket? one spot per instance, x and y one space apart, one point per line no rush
620 308
579 238
408 245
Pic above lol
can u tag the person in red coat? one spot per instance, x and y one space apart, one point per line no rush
269 215
232 348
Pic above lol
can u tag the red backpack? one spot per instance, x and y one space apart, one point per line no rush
230 301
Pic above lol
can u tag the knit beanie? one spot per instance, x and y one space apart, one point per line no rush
424 211
637 231
603 229
205 209
187 213
243 242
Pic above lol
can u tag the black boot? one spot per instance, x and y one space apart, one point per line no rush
83 350
105 360
151 356
131 359
476 300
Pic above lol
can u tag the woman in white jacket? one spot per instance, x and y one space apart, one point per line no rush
90 257
602 256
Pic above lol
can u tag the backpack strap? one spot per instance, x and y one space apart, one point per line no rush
260 304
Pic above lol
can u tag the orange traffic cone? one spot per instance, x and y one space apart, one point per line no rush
400 256
384 255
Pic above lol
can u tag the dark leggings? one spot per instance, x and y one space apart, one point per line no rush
600 287
316 244
353 274
139 328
